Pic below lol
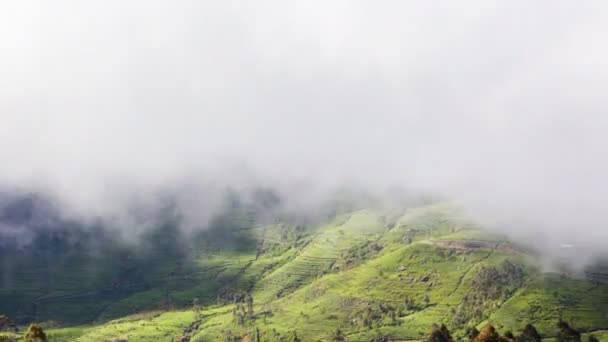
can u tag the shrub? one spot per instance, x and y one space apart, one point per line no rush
439 334
567 333
35 334
529 334
487 334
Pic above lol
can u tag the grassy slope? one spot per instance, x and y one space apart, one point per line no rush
299 285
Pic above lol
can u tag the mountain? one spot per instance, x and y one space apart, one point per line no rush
353 273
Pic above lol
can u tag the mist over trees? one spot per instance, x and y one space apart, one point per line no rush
311 99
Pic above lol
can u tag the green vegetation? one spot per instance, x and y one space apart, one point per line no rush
35 334
489 287
367 275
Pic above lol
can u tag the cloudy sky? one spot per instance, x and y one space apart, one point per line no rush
500 105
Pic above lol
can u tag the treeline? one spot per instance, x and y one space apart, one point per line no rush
440 333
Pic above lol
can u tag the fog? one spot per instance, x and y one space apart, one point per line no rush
497 105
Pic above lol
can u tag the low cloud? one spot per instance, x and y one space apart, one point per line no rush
497 105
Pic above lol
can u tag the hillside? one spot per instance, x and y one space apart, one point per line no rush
367 273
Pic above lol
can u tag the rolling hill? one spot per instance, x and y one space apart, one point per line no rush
360 274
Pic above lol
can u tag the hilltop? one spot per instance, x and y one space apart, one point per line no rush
360 274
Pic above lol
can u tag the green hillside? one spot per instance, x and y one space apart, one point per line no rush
361 275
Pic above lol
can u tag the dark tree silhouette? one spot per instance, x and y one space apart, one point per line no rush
249 300
196 309
508 337
440 334
472 332
487 334
567 333
35 334
529 334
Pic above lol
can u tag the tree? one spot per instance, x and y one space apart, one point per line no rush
529 334
249 305
409 303
508 337
487 334
257 335
567 333
35 334
440 334
472 333
196 309
393 315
